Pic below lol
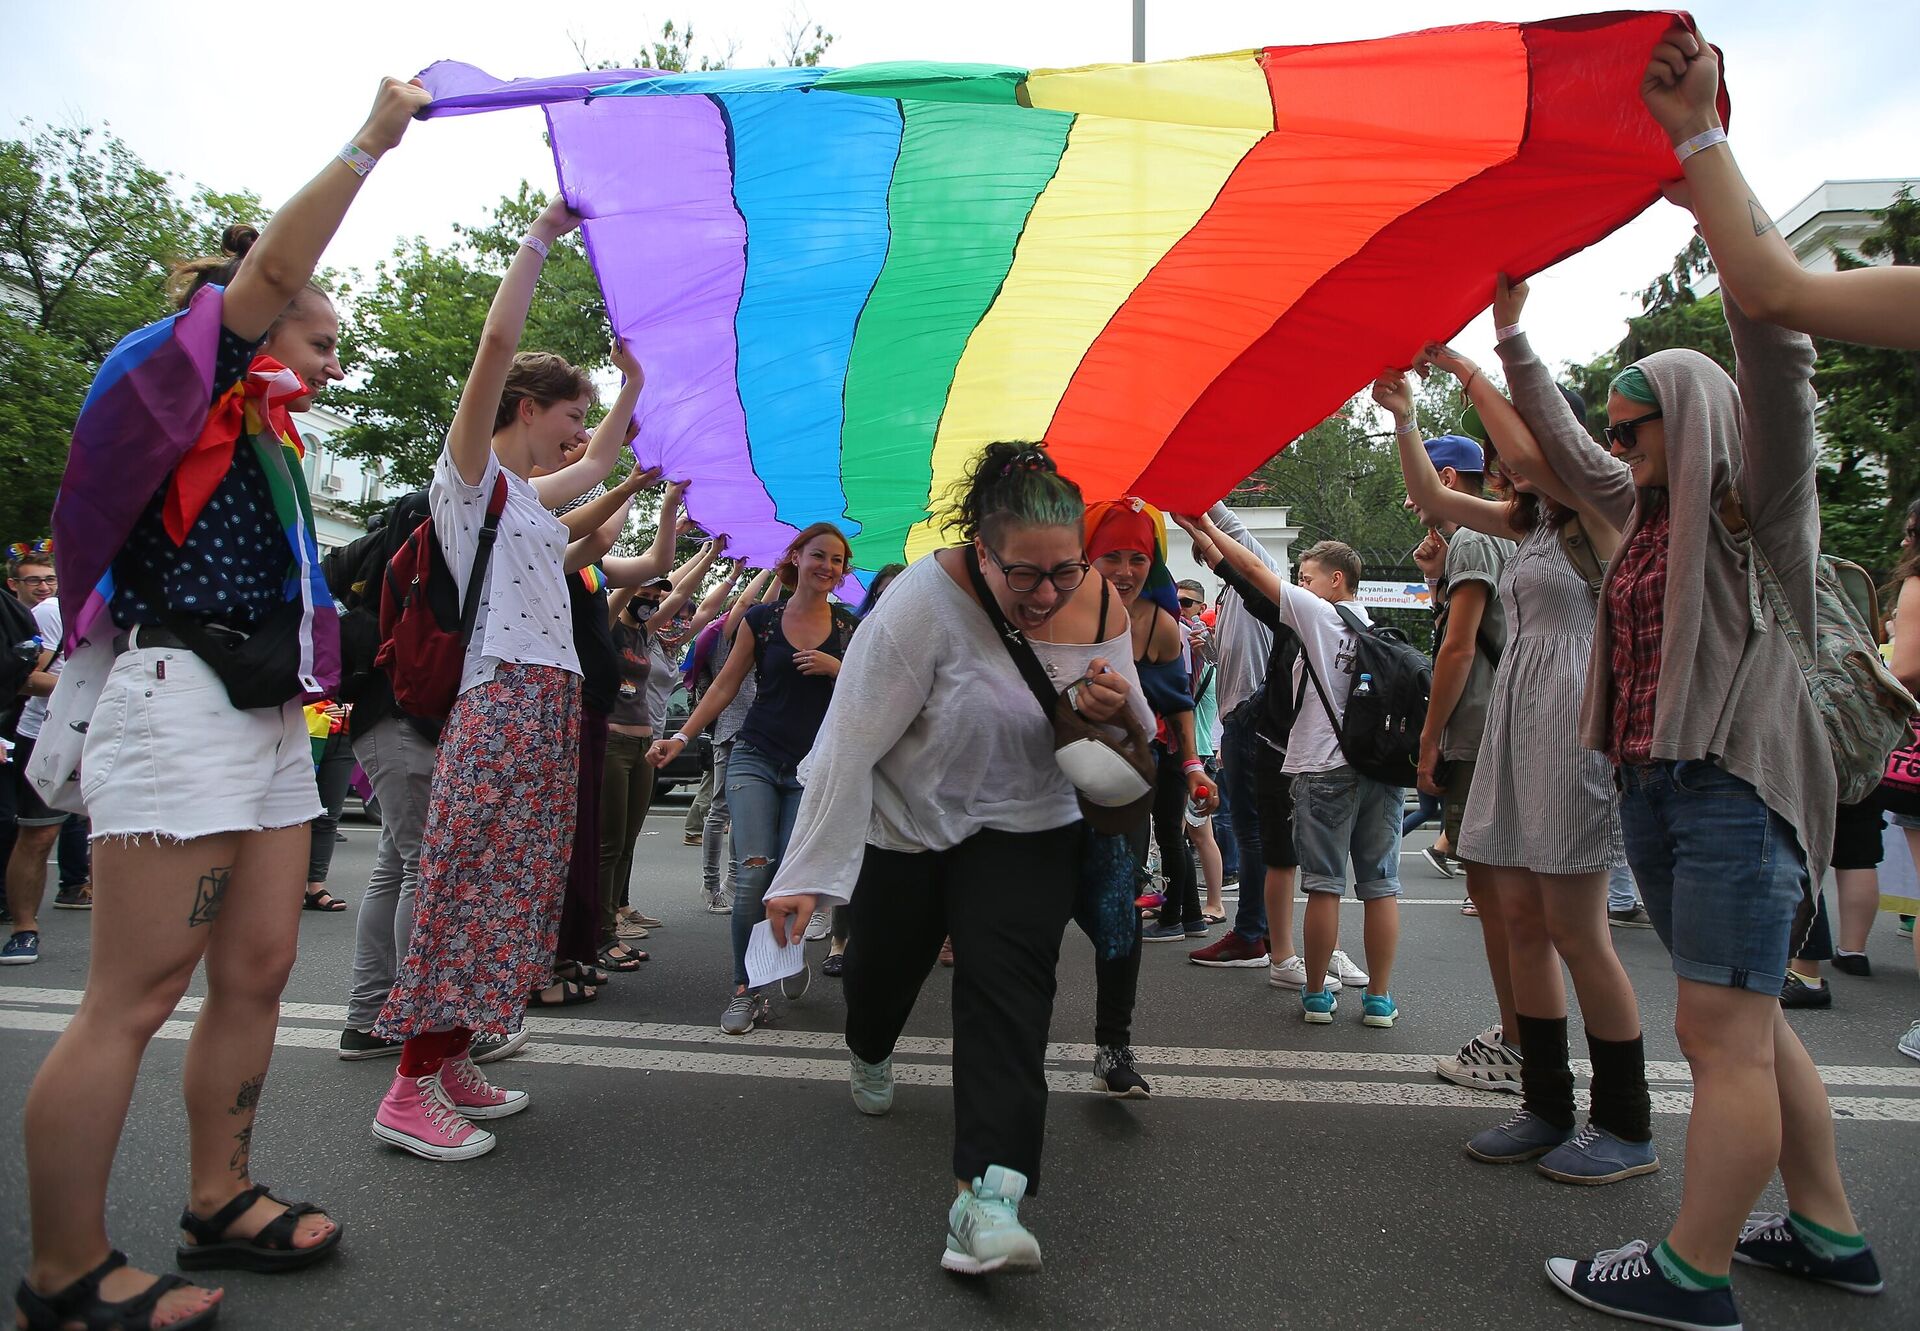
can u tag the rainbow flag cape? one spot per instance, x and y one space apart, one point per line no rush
148 423
843 282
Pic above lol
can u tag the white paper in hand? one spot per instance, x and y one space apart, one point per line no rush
768 960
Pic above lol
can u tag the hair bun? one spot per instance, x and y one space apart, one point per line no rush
238 239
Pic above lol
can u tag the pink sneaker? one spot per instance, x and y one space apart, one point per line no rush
467 1087
416 1116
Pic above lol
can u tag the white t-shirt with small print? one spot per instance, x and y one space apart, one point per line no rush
524 617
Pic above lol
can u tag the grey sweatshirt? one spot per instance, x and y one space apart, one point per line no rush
1731 690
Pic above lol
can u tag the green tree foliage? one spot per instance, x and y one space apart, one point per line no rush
1869 412
88 236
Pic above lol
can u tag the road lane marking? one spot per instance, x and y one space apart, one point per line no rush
1425 1094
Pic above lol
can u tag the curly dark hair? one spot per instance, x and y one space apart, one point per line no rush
1012 483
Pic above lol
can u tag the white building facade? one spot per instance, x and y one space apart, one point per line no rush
336 481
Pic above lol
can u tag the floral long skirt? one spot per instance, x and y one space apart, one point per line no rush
493 863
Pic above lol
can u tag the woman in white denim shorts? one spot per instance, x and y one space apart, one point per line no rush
173 512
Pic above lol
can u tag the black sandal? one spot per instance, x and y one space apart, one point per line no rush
81 1302
323 900
623 965
571 994
269 1251
591 976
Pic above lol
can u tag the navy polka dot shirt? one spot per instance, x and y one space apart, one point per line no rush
233 564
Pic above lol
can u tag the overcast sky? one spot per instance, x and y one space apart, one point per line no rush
259 99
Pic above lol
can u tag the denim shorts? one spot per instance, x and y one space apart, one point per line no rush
1341 815
1721 874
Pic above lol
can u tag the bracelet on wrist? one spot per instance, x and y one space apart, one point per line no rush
537 245
1506 331
1407 427
358 159
1192 765
686 740
1699 143
1466 389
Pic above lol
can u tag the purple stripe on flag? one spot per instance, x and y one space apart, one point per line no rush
654 178
460 89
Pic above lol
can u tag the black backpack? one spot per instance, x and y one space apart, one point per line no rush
20 649
1387 706
356 575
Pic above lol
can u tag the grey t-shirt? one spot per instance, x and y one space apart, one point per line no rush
1474 557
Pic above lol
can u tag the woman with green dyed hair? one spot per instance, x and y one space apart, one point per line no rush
1728 790
935 808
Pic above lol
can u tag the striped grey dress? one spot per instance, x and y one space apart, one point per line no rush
1540 800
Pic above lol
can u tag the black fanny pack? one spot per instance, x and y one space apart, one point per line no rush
260 665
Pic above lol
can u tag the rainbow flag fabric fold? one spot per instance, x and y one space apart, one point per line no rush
843 282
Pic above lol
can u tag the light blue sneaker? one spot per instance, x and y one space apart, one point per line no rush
1318 1008
1595 1156
1378 1010
22 949
984 1233
872 1084
1524 1136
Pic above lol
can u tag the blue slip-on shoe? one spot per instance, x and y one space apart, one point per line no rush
984 1233
1626 1282
1595 1156
1770 1240
22 949
1378 1010
1164 933
1318 1008
1524 1136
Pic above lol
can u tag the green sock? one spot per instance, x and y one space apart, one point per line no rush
1828 1244
1683 1275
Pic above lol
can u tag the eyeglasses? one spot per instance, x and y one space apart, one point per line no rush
1026 577
1621 435
48 581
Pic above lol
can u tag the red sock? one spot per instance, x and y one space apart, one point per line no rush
422 1055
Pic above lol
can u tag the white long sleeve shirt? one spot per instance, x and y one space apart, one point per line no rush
1242 643
932 736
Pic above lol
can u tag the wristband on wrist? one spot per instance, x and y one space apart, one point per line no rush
1505 331
1192 765
358 160
685 739
1700 143
537 245
1407 427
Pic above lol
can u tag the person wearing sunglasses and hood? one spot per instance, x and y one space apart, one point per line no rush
1727 781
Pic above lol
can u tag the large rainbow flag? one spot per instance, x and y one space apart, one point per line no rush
842 282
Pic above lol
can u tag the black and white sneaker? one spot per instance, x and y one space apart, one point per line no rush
356 1045
493 1048
1626 1282
1114 1075
1485 1063
1443 864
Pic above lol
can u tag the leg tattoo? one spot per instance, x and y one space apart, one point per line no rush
245 1103
249 1095
208 896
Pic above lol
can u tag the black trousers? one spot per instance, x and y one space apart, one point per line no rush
1004 898
1170 830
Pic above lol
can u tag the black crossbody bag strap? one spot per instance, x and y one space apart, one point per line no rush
482 556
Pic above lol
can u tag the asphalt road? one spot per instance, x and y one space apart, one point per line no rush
668 1175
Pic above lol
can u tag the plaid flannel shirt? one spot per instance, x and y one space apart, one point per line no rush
1636 600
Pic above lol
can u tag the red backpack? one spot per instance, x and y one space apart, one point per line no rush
424 625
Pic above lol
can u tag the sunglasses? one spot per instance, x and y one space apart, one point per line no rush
1025 577
1622 435
1190 603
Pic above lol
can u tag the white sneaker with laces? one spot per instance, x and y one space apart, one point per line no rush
1485 1063
1342 969
819 925
1292 974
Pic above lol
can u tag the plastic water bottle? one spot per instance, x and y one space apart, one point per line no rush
1363 687
1197 802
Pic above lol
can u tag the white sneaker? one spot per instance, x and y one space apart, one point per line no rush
819 925
1909 1043
1346 972
1484 1063
1292 974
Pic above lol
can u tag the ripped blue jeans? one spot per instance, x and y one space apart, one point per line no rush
763 798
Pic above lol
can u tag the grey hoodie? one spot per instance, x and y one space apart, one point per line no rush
1730 690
